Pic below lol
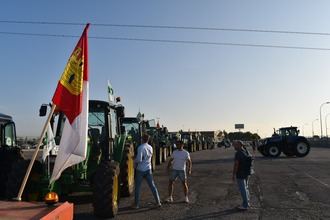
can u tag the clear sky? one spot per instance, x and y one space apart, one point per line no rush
189 86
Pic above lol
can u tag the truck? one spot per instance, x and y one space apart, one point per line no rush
286 140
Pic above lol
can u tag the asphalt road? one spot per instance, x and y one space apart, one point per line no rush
282 188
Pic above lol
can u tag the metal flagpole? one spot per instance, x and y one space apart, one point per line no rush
27 174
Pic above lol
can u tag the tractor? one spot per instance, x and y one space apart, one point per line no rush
9 152
286 140
134 127
188 140
107 172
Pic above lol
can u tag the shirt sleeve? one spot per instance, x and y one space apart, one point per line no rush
188 156
138 158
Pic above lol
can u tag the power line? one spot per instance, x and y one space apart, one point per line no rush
170 27
169 41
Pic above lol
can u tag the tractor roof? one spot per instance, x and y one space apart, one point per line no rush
288 128
5 118
130 120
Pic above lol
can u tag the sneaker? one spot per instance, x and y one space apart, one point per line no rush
169 199
135 207
159 205
242 208
186 200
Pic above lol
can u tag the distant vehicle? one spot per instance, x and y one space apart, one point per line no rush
286 140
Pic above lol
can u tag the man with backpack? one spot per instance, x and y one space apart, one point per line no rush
242 171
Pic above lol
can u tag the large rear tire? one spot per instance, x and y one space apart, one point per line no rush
273 151
302 149
165 153
15 179
127 172
8 157
106 190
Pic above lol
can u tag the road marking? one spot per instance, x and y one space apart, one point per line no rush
317 180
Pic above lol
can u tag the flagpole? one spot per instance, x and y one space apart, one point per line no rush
27 174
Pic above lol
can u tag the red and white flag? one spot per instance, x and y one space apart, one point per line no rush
71 97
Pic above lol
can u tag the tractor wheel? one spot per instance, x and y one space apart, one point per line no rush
190 148
127 172
165 149
170 149
302 149
273 151
15 179
159 155
8 157
106 190
153 162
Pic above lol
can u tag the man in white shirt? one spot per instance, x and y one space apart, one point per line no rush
177 164
143 170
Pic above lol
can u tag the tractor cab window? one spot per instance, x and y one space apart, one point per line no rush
293 132
96 125
131 128
9 136
284 133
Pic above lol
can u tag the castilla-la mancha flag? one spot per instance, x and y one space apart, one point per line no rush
71 97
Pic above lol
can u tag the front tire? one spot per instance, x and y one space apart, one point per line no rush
106 190
127 172
302 149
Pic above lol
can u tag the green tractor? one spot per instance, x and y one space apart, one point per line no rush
188 140
134 128
107 171
9 152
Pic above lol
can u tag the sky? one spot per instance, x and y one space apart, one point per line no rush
185 86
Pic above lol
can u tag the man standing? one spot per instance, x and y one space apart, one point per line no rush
143 170
242 170
178 164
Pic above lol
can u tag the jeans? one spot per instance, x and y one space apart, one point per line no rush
243 185
138 181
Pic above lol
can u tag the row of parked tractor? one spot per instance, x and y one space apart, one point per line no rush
107 171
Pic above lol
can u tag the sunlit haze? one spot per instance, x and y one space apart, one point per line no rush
186 85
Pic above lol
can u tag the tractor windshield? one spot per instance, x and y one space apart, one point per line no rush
131 128
288 132
96 122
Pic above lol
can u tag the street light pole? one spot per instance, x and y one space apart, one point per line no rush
326 124
303 128
321 116
313 127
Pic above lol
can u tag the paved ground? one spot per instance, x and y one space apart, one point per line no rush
282 188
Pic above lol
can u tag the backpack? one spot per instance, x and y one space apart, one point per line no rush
248 162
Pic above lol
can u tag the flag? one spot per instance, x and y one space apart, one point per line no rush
50 144
71 97
111 94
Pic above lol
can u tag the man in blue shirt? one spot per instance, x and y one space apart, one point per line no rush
143 170
242 171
